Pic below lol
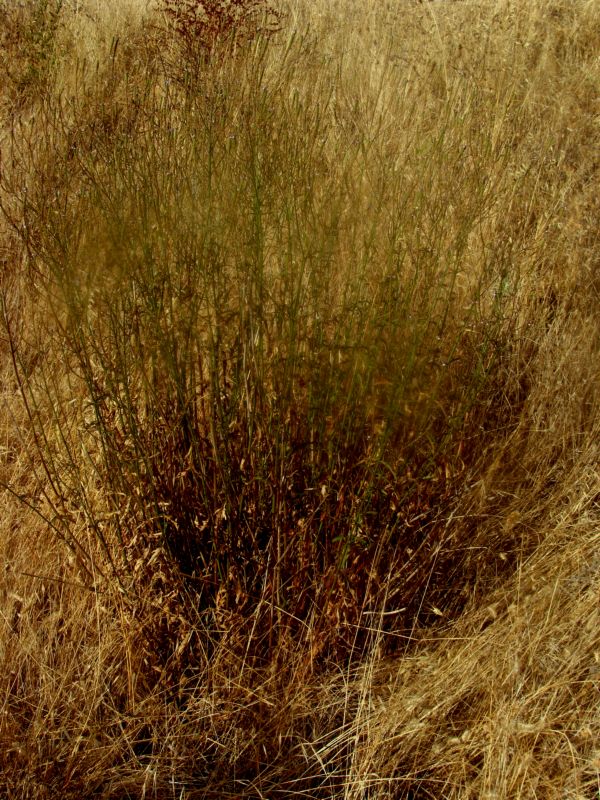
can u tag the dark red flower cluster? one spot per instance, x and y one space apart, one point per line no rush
204 22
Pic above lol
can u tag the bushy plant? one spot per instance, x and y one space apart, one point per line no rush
278 370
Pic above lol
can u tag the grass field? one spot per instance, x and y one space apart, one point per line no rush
299 400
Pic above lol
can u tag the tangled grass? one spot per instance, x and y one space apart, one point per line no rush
300 401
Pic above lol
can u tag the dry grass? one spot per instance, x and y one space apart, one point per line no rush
299 430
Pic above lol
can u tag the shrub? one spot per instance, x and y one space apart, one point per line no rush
280 361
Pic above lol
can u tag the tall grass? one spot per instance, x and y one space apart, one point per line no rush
275 335
285 329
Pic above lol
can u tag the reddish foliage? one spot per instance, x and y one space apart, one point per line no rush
203 22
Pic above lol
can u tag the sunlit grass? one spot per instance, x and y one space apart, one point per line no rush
299 345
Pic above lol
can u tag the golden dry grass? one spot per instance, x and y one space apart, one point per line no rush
450 648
